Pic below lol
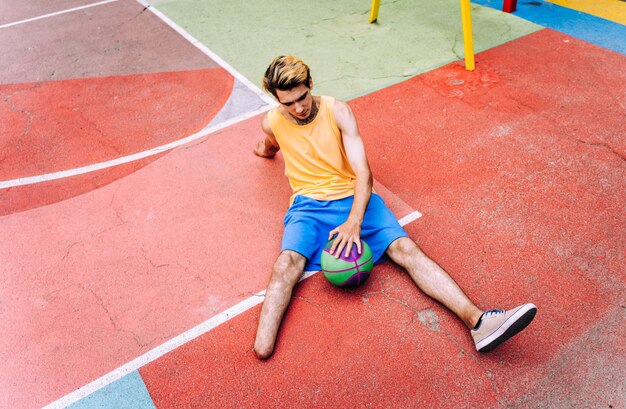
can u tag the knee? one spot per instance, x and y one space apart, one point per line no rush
403 246
402 250
287 270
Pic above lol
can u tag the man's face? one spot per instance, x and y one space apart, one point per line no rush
297 101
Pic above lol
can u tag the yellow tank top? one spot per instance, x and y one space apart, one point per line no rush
315 159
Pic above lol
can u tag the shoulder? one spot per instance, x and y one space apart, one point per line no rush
266 124
343 114
272 115
341 108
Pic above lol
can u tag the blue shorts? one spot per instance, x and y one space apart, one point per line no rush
308 222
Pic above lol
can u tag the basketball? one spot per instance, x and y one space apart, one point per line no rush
348 271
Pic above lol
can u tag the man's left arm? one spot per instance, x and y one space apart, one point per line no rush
350 231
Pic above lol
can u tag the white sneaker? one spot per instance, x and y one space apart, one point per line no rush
496 326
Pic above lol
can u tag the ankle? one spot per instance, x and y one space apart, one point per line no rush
474 318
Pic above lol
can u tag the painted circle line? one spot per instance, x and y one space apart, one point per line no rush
130 158
179 340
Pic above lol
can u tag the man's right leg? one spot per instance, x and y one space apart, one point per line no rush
285 275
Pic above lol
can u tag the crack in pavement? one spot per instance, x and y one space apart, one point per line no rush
502 400
143 251
115 209
69 249
14 108
29 122
424 316
456 41
384 77
560 134
103 138
48 297
116 327
297 297
143 10
108 229
604 145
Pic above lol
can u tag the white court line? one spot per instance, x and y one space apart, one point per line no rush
157 352
213 322
130 158
57 13
178 341
409 218
209 53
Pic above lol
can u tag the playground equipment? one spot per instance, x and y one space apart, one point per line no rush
509 6
466 20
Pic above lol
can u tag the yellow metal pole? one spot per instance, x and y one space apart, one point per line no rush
374 10
468 40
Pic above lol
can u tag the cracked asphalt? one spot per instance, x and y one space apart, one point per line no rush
518 169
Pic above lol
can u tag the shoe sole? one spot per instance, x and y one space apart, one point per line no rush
504 333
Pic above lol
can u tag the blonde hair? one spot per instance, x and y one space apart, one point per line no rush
284 73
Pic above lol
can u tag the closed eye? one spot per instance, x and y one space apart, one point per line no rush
302 98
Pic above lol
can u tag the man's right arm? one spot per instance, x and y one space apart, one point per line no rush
267 147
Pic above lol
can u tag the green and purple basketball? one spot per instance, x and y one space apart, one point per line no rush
348 271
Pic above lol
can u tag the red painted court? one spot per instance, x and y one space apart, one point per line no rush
131 275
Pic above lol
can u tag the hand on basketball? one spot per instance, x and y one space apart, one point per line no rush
347 234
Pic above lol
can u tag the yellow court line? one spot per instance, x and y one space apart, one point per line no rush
614 10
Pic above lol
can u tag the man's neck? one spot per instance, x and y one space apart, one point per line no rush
314 110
